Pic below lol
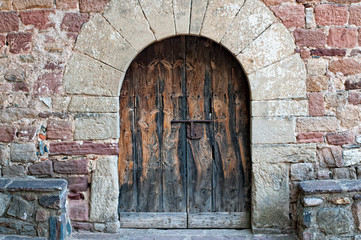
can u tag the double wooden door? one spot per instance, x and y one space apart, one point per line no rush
175 172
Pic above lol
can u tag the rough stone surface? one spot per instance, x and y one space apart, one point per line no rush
37 185
39 19
312 202
3 155
293 74
4 201
340 138
13 171
351 157
355 15
317 67
302 171
50 201
78 210
342 37
352 84
345 66
279 108
324 186
77 148
197 15
330 14
316 104
104 190
20 209
98 126
7 134
354 98
182 15
5 5
19 42
334 221
310 37
131 24
94 104
85 75
253 18
331 156
82 225
290 15
356 212
316 124
72 22
350 116
29 4
78 184
218 16
59 130
71 166
99 40
273 130
23 152
9 22
310 137
260 53
66 4
43 168
48 84
92 5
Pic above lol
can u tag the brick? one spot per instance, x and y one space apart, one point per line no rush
330 14
290 15
59 130
48 84
43 168
355 15
5 5
71 166
316 84
340 138
30 4
78 184
7 134
342 37
40 18
66 4
352 84
316 105
345 66
9 21
78 210
312 137
75 148
310 37
328 52
354 98
92 5
72 22
19 42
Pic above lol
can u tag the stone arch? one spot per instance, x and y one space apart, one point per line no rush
110 41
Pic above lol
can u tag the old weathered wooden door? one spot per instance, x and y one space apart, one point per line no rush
178 174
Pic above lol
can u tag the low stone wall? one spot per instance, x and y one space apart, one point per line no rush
34 207
329 210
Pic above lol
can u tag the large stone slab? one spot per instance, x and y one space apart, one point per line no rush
270 196
159 14
85 75
284 153
94 104
23 152
197 15
280 108
105 190
253 18
219 15
96 126
128 18
287 76
271 46
273 130
99 40
182 15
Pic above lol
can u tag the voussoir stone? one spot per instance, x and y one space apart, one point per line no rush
273 130
279 108
96 126
253 18
197 15
218 17
104 190
287 76
101 41
85 75
271 46
23 152
94 104
286 153
182 12
160 16
131 23
270 195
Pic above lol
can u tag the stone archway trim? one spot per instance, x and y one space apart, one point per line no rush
110 41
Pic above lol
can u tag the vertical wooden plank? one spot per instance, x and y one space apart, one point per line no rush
199 152
173 156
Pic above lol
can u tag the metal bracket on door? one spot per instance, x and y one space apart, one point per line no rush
194 129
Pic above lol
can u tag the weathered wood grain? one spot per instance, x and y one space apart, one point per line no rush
219 220
153 220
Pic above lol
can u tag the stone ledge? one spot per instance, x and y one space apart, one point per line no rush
330 186
34 185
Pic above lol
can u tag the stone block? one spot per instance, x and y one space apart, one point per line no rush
39 18
4 155
71 166
96 126
23 152
316 124
330 156
7 134
273 130
99 227
316 104
219 15
5 5
85 75
21 209
42 168
104 190
313 137
160 17
112 227
60 104
92 5
320 187
13 171
9 21
53 201
94 104
78 184
99 40
342 37
334 221
339 138
48 84
352 84
351 157
59 130
279 108
72 22
270 196
14 226
346 66
27 133
355 15
302 171
19 42
271 46
317 66
82 225
312 201
197 15
182 15
37 185
79 210
290 15
41 216
330 14
30 4
356 212
253 18
309 37
284 153
328 52
66 4
85 148
287 76
131 24
354 98
4 202
349 115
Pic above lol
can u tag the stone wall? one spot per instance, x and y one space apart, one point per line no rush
58 118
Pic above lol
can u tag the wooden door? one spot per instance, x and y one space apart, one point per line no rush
178 174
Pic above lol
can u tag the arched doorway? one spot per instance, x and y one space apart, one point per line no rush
185 138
